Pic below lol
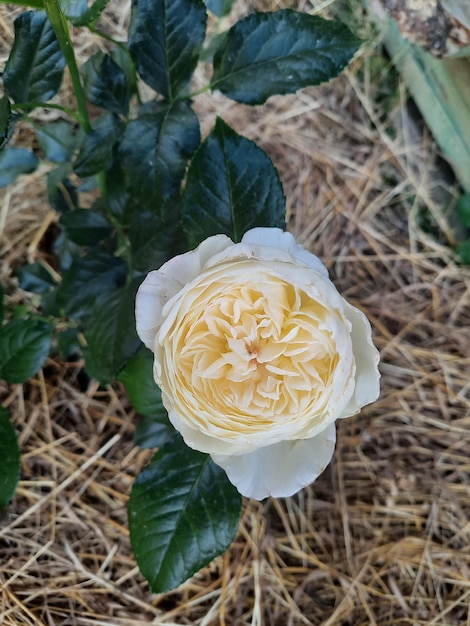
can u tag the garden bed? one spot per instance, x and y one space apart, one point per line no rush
382 537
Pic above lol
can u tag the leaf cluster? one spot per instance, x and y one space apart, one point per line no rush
159 190
463 216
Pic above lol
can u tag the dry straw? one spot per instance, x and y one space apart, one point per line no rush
383 537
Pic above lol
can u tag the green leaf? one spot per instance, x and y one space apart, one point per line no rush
68 343
214 44
57 141
34 4
143 392
278 53
35 278
220 8
91 14
111 336
463 250
183 512
154 240
16 161
34 70
463 209
10 463
66 251
152 434
231 186
61 192
85 227
122 57
2 303
145 396
117 196
96 149
24 346
73 8
106 84
88 278
155 150
165 38
5 119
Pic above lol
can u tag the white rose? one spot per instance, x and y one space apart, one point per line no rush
257 355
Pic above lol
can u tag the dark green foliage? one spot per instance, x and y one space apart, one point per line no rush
156 148
88 278
85 227
57 141
463 209
106 84
277 53
111 336
165 39
24 346
5 120
154 240
183 512
34 69
16 161
220 7
10 456
96 149
84 18
232 186
144 394
61 192
35 278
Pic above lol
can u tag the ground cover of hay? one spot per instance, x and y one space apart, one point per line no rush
383 536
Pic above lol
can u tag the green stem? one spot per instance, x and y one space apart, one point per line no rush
61 29
25 106
34 4
100 33
189 96
123 241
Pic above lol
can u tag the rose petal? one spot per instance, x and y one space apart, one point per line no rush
282 469
277 238
151 296
161 285
367 388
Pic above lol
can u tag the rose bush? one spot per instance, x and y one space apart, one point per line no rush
257 355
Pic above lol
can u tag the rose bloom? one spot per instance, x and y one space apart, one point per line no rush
257 355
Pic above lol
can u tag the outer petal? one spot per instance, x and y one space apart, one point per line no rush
152 294
162 284
277 238
367 358
282 469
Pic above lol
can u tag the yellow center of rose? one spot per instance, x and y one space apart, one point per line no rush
258 353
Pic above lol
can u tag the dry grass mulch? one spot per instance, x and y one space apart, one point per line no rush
382 538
